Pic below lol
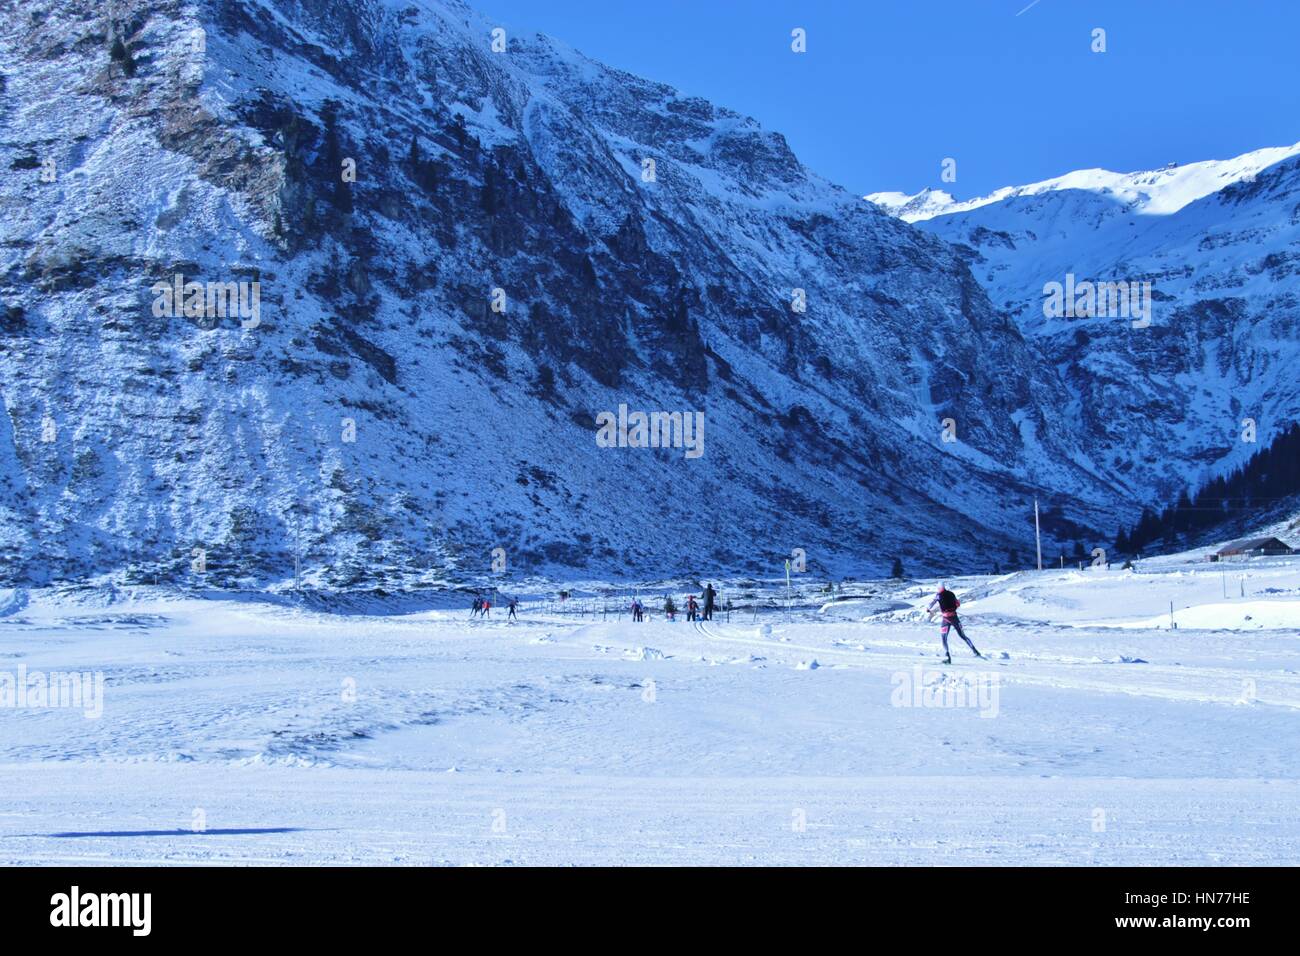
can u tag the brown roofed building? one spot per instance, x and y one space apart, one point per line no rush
1250 547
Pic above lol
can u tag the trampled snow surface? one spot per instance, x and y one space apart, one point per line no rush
256 732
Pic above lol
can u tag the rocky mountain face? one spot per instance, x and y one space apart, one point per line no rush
348 282
1210 379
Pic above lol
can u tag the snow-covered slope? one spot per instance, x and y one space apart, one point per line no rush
926 204
231 731
390 415
1219 242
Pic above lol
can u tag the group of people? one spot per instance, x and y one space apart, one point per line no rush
693 609
944 601
483 606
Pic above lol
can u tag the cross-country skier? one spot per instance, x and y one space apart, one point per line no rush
709 595
514 603
478 605
691 606
948 605
670 608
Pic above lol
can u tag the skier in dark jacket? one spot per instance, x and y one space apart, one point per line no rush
948 604
514 603
709 595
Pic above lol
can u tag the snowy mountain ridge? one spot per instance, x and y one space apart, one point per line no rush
1218 244
1154 192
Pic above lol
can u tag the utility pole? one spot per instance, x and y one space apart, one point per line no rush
1038 538
788 596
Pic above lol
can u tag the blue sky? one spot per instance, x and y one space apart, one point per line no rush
890 88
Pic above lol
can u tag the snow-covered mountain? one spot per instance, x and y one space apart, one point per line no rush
1153 192
530 238
1219 243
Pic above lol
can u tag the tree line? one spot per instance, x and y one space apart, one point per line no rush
1270 475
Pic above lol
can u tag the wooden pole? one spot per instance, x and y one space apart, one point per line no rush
1038 538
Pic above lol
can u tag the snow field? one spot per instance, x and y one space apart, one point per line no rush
253 732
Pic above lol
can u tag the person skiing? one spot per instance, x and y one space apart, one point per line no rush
948 604
487 607
478 605
709 595
514 603
670 609
636 610
691 607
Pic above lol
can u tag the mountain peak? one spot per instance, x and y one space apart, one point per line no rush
1212 243
1152 192
926 204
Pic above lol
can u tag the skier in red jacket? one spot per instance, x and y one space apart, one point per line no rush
948 605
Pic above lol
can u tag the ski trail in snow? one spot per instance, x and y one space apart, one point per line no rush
1184 683
775 644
